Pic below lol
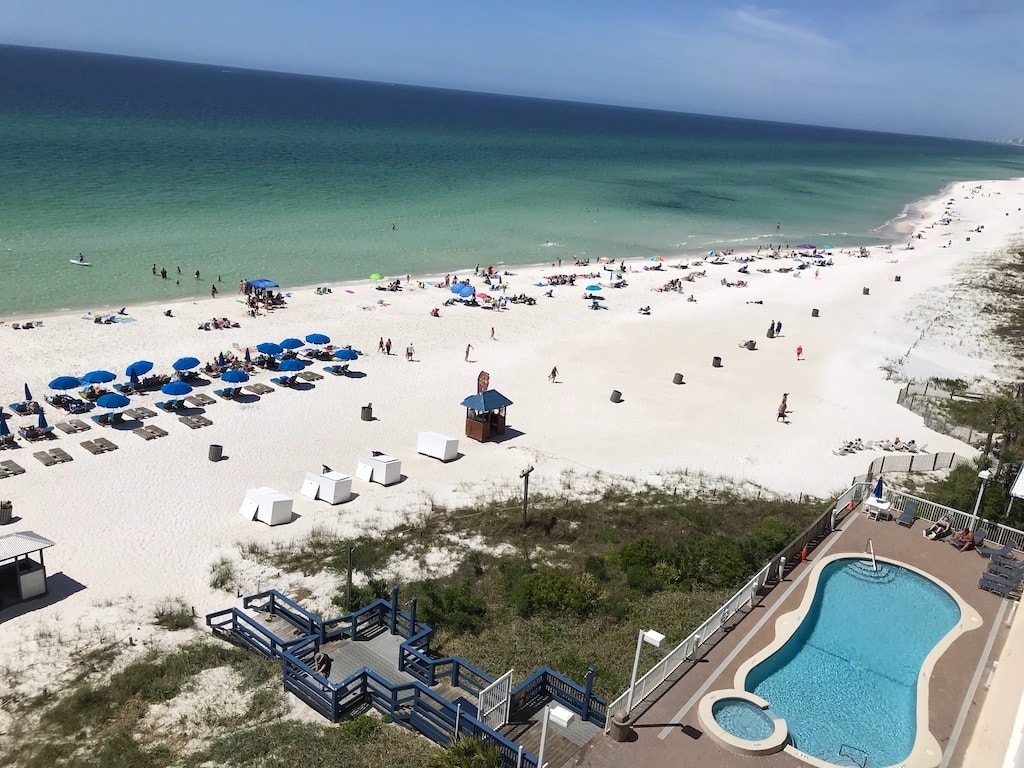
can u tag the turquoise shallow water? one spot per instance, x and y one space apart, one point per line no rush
313 180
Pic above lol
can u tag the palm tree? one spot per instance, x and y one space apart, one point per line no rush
468 752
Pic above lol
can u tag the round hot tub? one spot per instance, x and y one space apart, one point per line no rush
742 723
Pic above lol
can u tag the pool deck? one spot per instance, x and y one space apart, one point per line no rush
972 735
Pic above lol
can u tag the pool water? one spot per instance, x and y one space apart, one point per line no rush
848 675
743 719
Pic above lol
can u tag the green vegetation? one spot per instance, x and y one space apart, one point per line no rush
174 615
577 570
468 753
222 575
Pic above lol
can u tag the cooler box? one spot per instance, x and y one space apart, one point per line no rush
384 469
437 445
335 487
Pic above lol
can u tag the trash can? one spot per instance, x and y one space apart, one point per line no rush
6 511
616 396
621 727
751 345
366 413
897 278
716 362
677 378
216 452
814 313
867 291
771 332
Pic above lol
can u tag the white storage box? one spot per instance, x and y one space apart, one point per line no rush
385 470
437 445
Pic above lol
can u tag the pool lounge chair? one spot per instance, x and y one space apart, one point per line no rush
978 539
1002 551
908 515
1002 588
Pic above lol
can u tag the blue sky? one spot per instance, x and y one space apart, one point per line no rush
936 67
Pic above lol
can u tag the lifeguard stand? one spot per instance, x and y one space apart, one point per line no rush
485 414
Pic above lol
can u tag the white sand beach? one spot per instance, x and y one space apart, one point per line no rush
143 523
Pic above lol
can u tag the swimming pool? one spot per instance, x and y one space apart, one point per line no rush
848 671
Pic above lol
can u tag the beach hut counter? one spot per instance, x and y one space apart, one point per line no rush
485 414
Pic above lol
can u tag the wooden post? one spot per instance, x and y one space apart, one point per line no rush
525 474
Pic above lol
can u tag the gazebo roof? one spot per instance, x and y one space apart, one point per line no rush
487 400
17 544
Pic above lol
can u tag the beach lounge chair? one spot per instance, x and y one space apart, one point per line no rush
228 393
45 458
79 425
61 455
259 389
309 376
1002 551
8 441
103 419
908 515
11 468
285 381
91 447
157 431
337 370
64 427
144 433
200 400
105 444
169 405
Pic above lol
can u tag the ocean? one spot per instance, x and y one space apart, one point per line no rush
139 163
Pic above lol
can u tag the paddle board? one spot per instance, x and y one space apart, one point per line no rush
80 263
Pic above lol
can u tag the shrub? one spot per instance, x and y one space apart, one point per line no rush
222 575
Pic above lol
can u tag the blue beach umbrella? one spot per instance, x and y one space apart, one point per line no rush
185 363
594 287
269 348
97 377
65 382
112 400
292 343
318 338
176 388
456 288
41 423
138 368
878 488
28 393
291 364
235 376
248 356
4 429
466 291
221 360
346 354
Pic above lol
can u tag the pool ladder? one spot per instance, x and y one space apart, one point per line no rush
871 548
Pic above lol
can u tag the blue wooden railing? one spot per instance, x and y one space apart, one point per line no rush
547 685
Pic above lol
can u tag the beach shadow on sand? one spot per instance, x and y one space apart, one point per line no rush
59 586
510 434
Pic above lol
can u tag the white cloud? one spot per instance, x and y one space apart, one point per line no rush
769 27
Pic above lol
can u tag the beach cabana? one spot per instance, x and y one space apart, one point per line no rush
485 414
22 570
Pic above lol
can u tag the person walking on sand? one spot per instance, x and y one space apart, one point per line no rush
783 406
492 334
469 348
553 375
387 347
800 352
409 352
380 344
778 328
213 290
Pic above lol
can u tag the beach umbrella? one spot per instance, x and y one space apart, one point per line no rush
176 388
65 382
221 360
594 287
878 488
138 368
97 377
457 288
41 423
656 258
483 297
318 338
292 343
346 354
235 376
4 429
28 394
185 363
291 364
376 276
262 282
466 291
269 348
248 357
113 400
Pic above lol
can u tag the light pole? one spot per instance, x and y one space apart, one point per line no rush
651 637
984 475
